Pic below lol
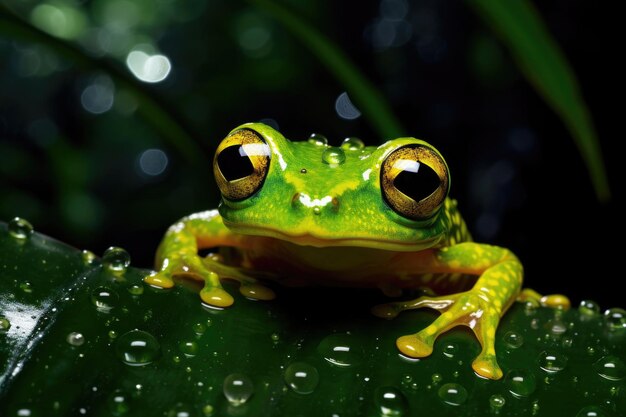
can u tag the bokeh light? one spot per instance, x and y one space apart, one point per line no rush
98 97
148 68
345 109
153 162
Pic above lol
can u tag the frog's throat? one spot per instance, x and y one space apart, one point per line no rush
307 239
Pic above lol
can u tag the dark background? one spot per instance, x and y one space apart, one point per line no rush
516 171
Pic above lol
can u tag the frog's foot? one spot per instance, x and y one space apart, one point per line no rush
469 308
249 287
558 301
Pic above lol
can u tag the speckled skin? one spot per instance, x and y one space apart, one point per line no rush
327 224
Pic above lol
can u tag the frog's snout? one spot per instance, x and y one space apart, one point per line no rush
317 205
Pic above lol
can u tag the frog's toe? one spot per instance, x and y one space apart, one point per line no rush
415 345
256 291
159 279
216 296
486 366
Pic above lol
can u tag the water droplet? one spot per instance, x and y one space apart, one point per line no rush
615 319
275 337
352 144
5 324
116 259
27 287
137 348
496 402
450 350
513 340
75 339
189 348
88 257
181 410
610 367
317 139
453 393
302 377
118 403
112 334
588 309
552 362
591 411
238 388
333 156
341 350
530 306
199 328
208 410
135 289
390 401
20 228
436 378
104 299
520 383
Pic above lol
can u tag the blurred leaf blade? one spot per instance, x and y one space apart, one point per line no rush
545 66
366 96
161 116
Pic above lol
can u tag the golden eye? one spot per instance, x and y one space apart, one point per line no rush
414 181
241 163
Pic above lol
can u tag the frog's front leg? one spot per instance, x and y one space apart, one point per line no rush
177 255
480 308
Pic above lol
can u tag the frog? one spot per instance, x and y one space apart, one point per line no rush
356 216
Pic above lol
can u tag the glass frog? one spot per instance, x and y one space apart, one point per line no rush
351 216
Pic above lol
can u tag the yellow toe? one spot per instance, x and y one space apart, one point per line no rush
413 346
487 367
257 292
216 297
159 280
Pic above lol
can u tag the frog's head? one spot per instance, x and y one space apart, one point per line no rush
309 193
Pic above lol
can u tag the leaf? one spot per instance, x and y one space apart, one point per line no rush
369 100
543 63
83 339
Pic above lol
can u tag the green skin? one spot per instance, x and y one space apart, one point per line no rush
328 224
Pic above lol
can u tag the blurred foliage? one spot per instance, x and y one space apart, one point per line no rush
74 76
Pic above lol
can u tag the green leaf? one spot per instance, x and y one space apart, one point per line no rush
368 99
545 66
78 338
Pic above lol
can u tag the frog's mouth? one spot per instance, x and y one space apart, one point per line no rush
308 239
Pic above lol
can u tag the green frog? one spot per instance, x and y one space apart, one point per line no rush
305 213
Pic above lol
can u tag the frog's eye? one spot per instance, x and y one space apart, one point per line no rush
241 164
414 181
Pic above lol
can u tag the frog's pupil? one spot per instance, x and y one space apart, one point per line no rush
419 184
234 163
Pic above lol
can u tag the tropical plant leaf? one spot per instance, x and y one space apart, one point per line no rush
543 63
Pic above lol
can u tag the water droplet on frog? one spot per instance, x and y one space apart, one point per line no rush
104 299
588 309
333 156
390 401
352 144
615 319
450 350
75 339
135 289
513 340
520 383
20 228
118 403
453 393
341 350
88 257
137 348
592 411
610 367
5 324
301 377
27 287
496 402
552 362
316 210
238 388
317 139
189 348
116 259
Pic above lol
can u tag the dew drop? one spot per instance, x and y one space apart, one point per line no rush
556 327
450 350
5 324
610 367
453 393
588 309
181 410
317 139
20 228
27 287
207 410
615 319
513 340
496 402
116 259
436 378
275 337
333 156
135 289
112 334
390 401
520 383
137 348
88 257
189 348
591 411
104 299
530 306
118 403
301 377
75 339
352 144
341 350
238 388
552 362
199 328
